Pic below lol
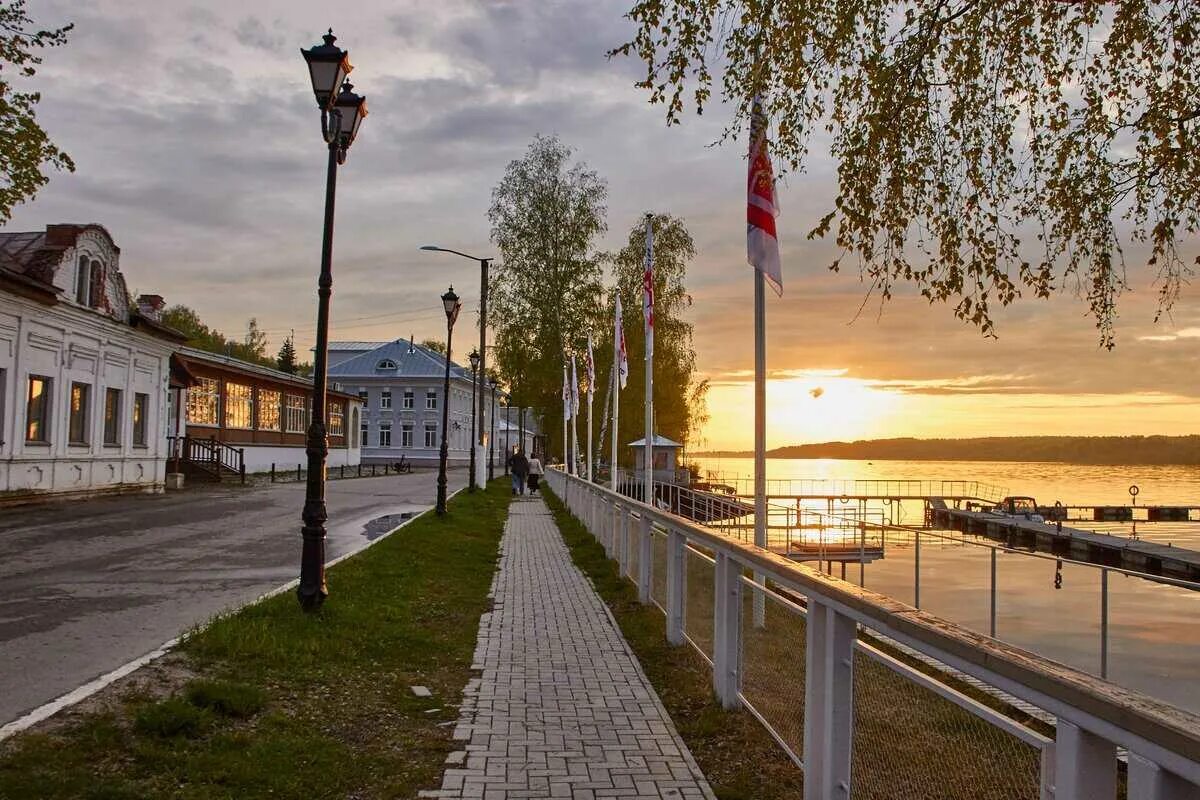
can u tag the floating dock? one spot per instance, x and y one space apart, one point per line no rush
1098 548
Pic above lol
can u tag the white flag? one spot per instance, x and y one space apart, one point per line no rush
566 395
762 206
622 356
591 368
574 388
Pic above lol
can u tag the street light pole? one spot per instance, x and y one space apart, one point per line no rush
342 111
492 438
451 304
474 374
484 264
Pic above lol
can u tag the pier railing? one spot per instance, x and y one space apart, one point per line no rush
862 487
873 698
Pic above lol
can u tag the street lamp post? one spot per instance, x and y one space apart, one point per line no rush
492 438
452 304
342 112
474 357
484 263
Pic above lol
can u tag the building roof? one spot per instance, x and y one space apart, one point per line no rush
659 441
411 359
192 355
35 253
344 346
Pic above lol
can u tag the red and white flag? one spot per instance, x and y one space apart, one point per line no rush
762 207
648 275
622 356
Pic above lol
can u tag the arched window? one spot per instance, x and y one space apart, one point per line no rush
95 284
83 281
386 363
354 427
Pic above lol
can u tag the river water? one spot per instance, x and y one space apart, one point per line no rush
1153 629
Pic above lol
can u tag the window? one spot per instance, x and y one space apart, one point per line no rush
385 434
386 363
112 416
362 395
37 410
431 434
268 410
141 406
385 398
95 276
408 398
239 406
364 433
77 423
431 399
203 399
295 413
83 282
337 420
406 435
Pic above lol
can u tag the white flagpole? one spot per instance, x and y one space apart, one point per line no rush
648 476
612 472
566 416
760 410
591 396
574 417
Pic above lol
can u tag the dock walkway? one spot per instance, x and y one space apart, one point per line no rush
562 707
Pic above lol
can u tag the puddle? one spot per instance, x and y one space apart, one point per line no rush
381 525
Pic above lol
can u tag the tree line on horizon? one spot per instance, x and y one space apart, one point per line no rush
1182 450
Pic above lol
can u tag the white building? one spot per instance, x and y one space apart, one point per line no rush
83 375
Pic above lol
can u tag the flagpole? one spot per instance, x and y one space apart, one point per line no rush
648 295
760 410
616 390
566 415
591 397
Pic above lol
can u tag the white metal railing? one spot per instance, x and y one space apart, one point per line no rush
828 668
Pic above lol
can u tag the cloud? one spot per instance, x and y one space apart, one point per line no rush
1185 333
251 32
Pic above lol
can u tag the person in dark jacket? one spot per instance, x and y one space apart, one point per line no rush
518 466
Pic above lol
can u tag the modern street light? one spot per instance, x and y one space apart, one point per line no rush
483 298
342 112
451 303
474 357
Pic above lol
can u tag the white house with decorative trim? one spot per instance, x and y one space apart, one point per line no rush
83 374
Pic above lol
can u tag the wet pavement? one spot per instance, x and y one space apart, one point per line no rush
91 584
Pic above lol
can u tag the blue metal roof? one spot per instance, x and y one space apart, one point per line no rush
411 359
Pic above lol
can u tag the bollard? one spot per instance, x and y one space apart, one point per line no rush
298 474
272 472
372 470
360 469
342 471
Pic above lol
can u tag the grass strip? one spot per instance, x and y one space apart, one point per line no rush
736 754
271 702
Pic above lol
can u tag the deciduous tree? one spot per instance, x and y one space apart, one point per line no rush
983 149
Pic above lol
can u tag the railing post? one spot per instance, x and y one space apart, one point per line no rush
676 585
1149 781
1085 764
645 557
1103 622
727 629
993 605
917 572
828 702
622 543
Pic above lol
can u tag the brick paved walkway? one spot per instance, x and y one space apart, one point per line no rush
562 708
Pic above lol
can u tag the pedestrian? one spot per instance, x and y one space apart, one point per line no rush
518 467
535 474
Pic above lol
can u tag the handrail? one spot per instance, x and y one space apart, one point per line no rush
1151 729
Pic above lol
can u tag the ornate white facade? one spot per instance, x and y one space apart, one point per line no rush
83 376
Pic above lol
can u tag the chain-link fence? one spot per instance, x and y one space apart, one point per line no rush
658 569
772 666
698 608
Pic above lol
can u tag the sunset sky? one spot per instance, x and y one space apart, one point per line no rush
198 147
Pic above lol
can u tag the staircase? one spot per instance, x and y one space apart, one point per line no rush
206 459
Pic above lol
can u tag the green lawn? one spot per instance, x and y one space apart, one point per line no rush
736 754
272 703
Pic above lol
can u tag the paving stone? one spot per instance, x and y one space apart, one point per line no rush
562 707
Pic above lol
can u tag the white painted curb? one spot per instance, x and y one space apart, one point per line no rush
47 710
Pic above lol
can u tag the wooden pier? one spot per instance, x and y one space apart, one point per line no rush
1099 548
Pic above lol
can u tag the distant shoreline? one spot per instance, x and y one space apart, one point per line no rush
1094 450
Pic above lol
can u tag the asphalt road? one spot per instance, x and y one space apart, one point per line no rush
90 585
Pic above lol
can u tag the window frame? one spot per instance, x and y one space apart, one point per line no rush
385 400
384 428
44 410
139 424
112 416
431 428
289 407
211 398
81 416
241 405
83 281
264 404
336 425
410 400
431 399
406 434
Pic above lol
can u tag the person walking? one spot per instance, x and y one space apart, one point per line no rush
535 474
518 467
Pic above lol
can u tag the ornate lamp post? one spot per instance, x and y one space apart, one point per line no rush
451 303
483 298
474 375
342 112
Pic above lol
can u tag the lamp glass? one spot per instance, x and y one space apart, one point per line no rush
328 66
354 110
450 303
474 359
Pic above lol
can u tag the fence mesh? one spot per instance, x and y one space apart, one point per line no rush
698 613
773 651
658 569
913 743
633 546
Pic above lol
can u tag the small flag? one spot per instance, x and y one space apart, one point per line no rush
622 356
574 388
762 207
566 395
591 368
648 274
